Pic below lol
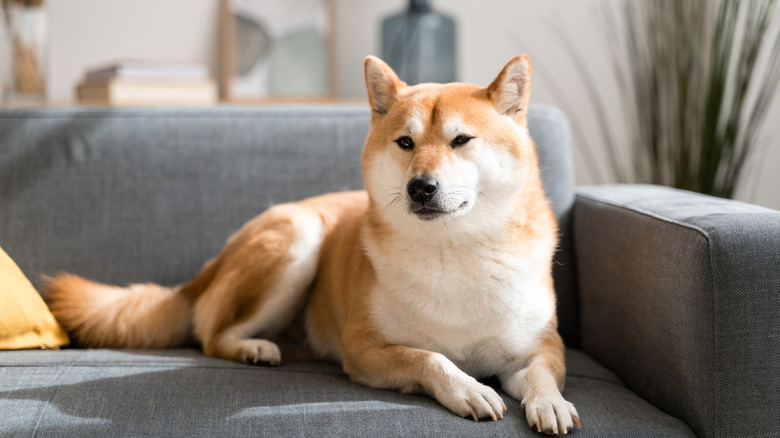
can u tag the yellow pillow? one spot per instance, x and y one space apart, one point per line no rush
25 321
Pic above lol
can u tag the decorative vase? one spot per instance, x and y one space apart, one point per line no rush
28 34
419 44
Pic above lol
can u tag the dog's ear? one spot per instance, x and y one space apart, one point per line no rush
511 90
383 85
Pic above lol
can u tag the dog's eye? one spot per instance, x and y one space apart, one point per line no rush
405 142
460 140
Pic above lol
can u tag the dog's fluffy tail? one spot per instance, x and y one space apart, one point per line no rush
138 316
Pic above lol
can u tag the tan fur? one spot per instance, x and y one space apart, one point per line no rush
338 256
139 316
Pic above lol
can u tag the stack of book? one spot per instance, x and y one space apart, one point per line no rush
148 83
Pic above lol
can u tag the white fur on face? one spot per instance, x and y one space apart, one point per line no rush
454 126
385 184
458 180
492 174
414 125
500 178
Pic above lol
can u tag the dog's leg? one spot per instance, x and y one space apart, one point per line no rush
371 363
265 273
538 384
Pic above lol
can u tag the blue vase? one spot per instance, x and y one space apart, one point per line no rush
419 44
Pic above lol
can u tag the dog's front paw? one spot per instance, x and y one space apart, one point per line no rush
474 400
260 352
550 415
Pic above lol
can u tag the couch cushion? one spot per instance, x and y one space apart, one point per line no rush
183 393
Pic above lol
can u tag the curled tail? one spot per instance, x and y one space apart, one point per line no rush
138 316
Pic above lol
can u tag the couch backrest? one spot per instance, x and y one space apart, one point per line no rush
137 195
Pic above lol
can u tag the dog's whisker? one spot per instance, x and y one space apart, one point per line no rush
447 227
394 203
487 197
394 195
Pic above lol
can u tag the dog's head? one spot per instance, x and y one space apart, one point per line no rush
448 152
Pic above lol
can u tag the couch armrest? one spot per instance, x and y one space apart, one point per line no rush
680 296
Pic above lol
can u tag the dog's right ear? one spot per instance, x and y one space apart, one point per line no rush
382 84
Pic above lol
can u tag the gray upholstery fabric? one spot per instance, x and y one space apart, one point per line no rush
183 393
148 195
680 296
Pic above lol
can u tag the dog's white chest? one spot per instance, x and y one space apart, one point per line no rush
478 306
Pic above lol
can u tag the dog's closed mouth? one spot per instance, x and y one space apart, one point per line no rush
428 213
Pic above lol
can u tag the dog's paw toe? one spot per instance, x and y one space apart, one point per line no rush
261 352
477 402
550 415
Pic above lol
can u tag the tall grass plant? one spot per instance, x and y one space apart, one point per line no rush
697 77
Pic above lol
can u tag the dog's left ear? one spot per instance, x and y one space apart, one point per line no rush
382 84
511 90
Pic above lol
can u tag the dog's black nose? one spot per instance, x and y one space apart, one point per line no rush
422 188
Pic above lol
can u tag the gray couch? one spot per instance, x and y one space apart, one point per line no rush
669 302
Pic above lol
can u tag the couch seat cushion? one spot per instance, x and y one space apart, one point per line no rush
180 392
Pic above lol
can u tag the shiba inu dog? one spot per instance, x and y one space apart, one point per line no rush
437 274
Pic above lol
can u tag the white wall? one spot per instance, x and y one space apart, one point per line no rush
90 32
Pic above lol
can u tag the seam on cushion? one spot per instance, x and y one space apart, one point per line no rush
647 213
717 325
56 388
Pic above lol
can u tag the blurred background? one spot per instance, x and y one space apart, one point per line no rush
576 47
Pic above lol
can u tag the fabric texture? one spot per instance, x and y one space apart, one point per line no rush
680 296
183 393
25 321
124 195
